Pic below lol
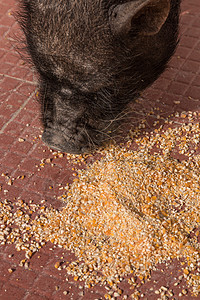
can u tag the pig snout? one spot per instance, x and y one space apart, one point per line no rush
56 140
69 127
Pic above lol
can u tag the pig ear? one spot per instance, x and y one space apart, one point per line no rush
145 17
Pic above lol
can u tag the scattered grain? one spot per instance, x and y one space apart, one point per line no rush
124 214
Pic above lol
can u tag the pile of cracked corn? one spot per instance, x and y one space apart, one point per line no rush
125 213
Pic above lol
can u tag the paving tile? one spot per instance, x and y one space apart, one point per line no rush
10 192
14 129
4 9
4 30
7 110
25 117
184 77
26 88
194 93
196 81
3 121
29 164
183 52
33 105
6 141
10 255
18 72
46 285
39 261
17 99
27 195
5 67
41 151
21 178
34 296
12 160
70 292
195 55
9 3
190 66
162 84
9 84
12 57
188 41
10 292
36 184
4 273
177 62
177 90
23 278
4 44
32 134
21 147
7 19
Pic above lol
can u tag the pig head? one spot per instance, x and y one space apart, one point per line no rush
93 57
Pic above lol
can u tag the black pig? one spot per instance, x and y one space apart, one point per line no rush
93 57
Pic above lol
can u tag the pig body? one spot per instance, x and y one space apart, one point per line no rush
93 57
